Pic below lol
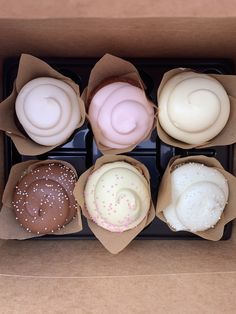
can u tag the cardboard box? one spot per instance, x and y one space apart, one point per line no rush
148 276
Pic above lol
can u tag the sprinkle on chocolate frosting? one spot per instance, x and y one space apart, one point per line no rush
43 199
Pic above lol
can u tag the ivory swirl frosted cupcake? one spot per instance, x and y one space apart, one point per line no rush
193 108
121 115
48 110
117 196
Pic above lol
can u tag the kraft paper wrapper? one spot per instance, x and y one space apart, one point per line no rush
9 227
114 242
111 69
228 135
30 68
164 194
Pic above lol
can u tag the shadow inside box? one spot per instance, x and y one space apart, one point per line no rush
81 150
148 233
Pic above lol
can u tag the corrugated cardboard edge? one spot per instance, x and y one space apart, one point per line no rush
9 226
227 136
30 68
164 194
110 68
114 242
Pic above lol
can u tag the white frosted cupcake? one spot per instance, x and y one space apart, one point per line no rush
48 110
199 195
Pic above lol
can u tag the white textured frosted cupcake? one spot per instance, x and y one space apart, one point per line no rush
120 114
117 196
193 108
48 110
199 196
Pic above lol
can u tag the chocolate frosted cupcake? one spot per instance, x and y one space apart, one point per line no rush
43 199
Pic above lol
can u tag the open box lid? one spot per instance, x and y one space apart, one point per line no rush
148 277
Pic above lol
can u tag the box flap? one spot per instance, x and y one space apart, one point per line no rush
89 259
103 8
134 37
180 294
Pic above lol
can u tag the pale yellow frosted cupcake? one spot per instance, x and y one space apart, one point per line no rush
117 196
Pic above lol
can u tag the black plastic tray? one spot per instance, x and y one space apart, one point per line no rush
81 150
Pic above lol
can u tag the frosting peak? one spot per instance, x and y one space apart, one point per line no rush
48 110
43 201
117 196
199 195
122 113
193 107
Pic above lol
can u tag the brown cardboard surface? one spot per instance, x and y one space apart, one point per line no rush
149 276
69 259
179 294
136 37
122 8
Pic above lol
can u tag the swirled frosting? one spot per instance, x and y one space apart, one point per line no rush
117 196
199 196
193 107
122 114
48 110
43 199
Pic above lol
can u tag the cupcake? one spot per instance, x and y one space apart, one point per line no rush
48 110
120 113
197 195
115 197
43 110
194 109
41 197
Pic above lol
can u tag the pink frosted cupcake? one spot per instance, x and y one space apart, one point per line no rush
121 115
